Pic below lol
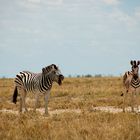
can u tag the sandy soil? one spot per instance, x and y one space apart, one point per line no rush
109 109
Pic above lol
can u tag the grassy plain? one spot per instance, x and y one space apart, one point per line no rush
75 93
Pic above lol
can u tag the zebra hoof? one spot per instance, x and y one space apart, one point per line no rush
124 110
46 115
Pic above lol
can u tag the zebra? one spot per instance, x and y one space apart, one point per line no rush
131 83
36 83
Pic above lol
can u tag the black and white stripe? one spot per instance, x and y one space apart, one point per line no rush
131 82
33 82
135 83
36 83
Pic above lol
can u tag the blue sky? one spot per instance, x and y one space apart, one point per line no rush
81 36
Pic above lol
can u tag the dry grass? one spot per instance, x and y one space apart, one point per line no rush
75 93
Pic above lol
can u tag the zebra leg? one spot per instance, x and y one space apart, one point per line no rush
125 100
47 95
20 106
22 100
136 101
132 101
36 101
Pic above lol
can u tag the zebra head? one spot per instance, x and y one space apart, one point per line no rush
50 68
57 77
135 68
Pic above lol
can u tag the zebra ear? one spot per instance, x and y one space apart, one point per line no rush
55 67
138 62
135 63
132 62
43 70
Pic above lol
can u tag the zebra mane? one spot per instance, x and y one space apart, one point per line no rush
50 68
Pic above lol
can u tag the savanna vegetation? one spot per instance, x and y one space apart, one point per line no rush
75 94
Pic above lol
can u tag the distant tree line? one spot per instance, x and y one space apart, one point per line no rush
87 76
78 76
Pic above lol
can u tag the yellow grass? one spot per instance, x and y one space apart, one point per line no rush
75 93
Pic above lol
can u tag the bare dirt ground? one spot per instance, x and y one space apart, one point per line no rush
109 109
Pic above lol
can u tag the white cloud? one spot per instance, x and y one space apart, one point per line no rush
54 2
123 18
111 2
35 4
34 1
137 12
29 4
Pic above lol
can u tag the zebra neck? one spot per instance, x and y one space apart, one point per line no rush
135 83
46 82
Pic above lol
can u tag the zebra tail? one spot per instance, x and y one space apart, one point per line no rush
15 95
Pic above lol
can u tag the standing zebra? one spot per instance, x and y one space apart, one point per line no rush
36 83
131 82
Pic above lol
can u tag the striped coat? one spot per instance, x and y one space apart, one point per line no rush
37 83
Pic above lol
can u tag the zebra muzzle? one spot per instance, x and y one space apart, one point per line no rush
61 78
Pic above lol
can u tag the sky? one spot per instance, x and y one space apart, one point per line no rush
80 36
